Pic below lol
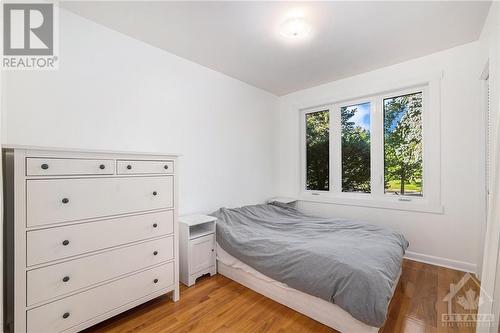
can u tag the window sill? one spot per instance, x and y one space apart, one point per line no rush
367 201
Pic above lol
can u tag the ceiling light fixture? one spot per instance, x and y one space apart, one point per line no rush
295 27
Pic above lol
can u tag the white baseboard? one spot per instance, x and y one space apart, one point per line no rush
444 262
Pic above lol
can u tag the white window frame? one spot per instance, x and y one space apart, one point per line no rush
431 133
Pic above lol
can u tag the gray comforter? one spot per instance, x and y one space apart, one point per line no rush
351 264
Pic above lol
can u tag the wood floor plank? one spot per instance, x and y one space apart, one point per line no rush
217 304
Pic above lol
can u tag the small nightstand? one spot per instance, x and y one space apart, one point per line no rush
197 247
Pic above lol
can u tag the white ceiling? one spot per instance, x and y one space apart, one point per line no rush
241 40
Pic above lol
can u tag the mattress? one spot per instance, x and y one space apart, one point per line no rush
349 263
320 310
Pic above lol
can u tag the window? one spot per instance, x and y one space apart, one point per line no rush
355 124
378 151
317 150
403 157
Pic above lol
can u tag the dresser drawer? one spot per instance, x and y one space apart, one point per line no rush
56 280
52 201
89 304
48 244
128 167
68 166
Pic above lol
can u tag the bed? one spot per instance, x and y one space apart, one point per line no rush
339 272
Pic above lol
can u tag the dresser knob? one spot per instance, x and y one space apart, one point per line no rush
45 166
166 166
66 279
65 242
155 193
129 167
155 252
155 225
102 166
155 280
66 315
65 200
212 250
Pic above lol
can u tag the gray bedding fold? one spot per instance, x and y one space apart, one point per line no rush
351 264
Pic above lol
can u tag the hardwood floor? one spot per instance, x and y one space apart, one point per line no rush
217 304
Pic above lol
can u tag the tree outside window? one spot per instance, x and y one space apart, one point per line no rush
403 155
355 122
317 151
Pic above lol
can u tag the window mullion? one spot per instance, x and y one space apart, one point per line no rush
335 152
377 148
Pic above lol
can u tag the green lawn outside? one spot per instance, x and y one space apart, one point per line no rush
395 186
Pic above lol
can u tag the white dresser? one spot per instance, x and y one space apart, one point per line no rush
88 235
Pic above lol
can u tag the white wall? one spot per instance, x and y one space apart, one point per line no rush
114 92
451 238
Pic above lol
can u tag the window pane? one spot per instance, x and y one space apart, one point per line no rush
355 121
403 145
317 151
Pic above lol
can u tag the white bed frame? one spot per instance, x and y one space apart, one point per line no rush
316 308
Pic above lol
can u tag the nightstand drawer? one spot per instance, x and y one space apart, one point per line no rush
51 201
202 253
63 242
129 167
56 280
77 309
68 166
